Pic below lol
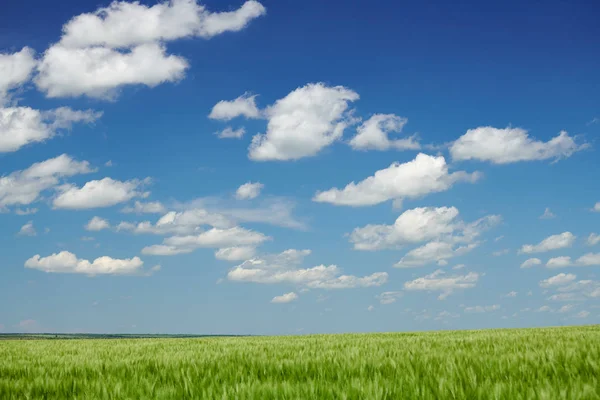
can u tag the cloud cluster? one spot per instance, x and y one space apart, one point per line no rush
438 281
586 260
66 262
509 145
124 44
417 178
285 268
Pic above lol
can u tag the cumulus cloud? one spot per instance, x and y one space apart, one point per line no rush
596 207
593 239
152 207
66 262
230 133
432 252
284 268
243 106
417 178
25 187
106 192
15 70
481 309
438 281
558 280
303 123
97 224
509 145
27 230
20 126
586 260
389 297
285 298
554 242
531 262
123 44
240 253
249 190
123 24
373 134
98 71
566 308
180 223
212 238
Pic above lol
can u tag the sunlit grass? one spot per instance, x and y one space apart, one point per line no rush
551 363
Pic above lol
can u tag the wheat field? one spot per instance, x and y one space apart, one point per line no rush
546 363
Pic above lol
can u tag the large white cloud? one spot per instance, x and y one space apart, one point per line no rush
25 187
558 280
123 24
438 281
554 242
502 146
245 106
304 122
66 262
284 268
15 70
100 71
212 238
20 126
586 260
98 193
373 134
419 177
123 44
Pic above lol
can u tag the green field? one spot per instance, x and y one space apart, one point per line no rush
549 363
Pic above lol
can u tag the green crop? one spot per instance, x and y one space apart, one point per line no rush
549 363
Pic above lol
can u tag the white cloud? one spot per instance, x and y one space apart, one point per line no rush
180 223
25 187
304 122
235 253
419 177
566 308
558 280
593 239
458 267
27 230
243 106
582 314
99 71
389 297
152 207
544 309
230 133
511 294
26 211
373 134
123 24
531 262
97 224
482 309
547 214
96 194
586 260
213 238
433 252
554 242
283 268
501 252
15 70
66 262
596 207
439 282
249 190
509 145
370 308
20 126
285 298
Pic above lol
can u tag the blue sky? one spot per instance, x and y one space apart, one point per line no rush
270 168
